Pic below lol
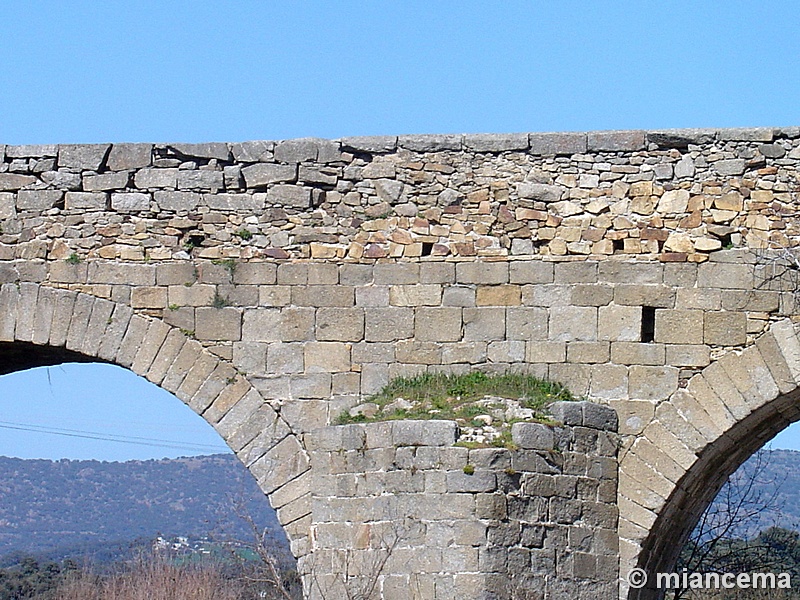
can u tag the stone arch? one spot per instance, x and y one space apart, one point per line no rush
42 325
699 437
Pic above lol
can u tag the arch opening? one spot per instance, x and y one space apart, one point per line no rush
17 357
698 488
20 356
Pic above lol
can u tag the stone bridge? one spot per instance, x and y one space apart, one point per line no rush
272 285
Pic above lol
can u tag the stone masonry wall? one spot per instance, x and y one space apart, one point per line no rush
397 506
281 282
677 195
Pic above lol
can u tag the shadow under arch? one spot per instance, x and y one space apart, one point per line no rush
41 325
707 431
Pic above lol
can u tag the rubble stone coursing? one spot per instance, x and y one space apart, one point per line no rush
272 285
421 518
677 195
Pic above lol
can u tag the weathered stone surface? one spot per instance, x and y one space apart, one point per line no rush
38 199
253 151
478 142
262 174
215 150
533 436
177 201
652 383
673 201
733 166
12 181
31 151
85 200
218 324
540 191
681 138
755 134
340 324
725 328
7 206
239 202
679 326
200 180
104 182
82 157
388 324
290 196
615 141
123 157
156 178
557 143
130 202
370 144
429 143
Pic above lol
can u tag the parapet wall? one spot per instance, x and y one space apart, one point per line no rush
396 505
677 195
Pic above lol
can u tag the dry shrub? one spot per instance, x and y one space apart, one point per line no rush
153 579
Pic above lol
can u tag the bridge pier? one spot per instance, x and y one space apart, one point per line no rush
398 509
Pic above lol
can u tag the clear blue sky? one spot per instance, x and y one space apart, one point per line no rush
76 72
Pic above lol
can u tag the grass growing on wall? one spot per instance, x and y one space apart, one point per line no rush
442 396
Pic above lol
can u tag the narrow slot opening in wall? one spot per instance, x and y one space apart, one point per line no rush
427 248
648 323
618 245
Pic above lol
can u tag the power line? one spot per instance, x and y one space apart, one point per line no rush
105 437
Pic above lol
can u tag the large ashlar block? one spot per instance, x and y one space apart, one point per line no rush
526 323
149 297
340 324
652 383
218 324
635 353
572 323
415 295
619 323
388 324
679 326
609 382
438 324
725 328
326 357
499 295
634 415
296 324
486 273
484 324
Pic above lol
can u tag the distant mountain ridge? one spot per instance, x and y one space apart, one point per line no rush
70 508
55 508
